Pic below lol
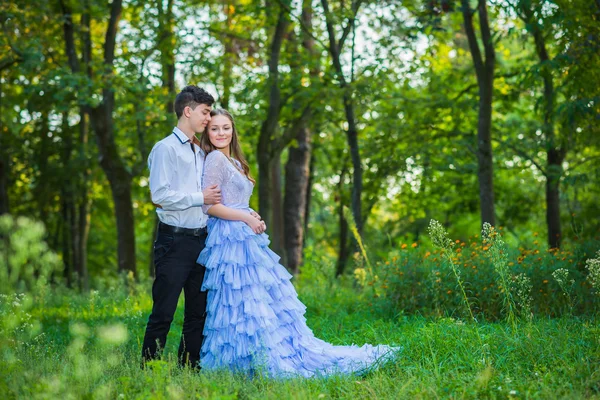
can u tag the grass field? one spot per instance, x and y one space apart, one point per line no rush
64 345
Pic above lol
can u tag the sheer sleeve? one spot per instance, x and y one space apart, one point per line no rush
216 172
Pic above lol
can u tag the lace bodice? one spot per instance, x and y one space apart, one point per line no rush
236 188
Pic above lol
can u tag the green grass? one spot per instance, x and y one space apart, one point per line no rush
65 345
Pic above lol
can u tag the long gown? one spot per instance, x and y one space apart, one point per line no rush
255 322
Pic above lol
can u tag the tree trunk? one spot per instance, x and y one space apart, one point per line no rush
4 161
69 248
167 42
277 236
297 170
484 69
4 168
119 179
555 153
228 55
82 213
311 179
553 198
485 170
270 127
343 232
296 186
76 197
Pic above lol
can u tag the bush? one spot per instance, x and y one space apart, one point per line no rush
415 280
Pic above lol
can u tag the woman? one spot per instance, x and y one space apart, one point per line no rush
255 322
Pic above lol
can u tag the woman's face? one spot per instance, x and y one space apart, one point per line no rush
220 131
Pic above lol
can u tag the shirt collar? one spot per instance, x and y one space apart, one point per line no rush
180 135
183 139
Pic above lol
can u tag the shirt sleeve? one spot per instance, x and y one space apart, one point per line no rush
215 173
162 167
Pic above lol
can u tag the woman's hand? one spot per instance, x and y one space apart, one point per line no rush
256 225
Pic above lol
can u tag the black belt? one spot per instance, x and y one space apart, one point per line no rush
176 230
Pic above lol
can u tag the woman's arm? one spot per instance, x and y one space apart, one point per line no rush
232 214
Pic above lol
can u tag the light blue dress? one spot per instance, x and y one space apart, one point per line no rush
255 322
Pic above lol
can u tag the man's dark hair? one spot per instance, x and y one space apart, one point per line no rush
191 96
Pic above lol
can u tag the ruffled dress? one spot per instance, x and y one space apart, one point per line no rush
255 322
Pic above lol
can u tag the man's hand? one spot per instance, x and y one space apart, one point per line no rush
212 195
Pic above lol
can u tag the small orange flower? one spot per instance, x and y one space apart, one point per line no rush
485 248
427 254
403 246
545 281
449 292
414 245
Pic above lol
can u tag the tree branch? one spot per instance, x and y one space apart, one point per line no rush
111 32
350 25
522 154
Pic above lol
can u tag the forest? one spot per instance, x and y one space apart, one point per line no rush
428 170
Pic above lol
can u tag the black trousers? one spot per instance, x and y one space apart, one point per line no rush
175 256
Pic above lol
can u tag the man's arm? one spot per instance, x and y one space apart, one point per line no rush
162 166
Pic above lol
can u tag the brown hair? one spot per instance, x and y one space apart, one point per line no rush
191 96
235 150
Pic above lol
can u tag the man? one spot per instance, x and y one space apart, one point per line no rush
176 165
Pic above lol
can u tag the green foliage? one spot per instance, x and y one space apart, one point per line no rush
26 262
493 280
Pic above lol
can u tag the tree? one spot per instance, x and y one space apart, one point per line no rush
484 70
336 47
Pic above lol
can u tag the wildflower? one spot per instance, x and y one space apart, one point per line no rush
593 267
414 245
427 254
403 246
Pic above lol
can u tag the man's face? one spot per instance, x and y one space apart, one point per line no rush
199 117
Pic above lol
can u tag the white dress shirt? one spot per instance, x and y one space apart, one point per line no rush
176 181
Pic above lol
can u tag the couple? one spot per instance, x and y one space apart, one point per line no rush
241 311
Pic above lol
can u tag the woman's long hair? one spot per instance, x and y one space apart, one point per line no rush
235 150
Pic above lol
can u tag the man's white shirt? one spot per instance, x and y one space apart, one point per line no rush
176 181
